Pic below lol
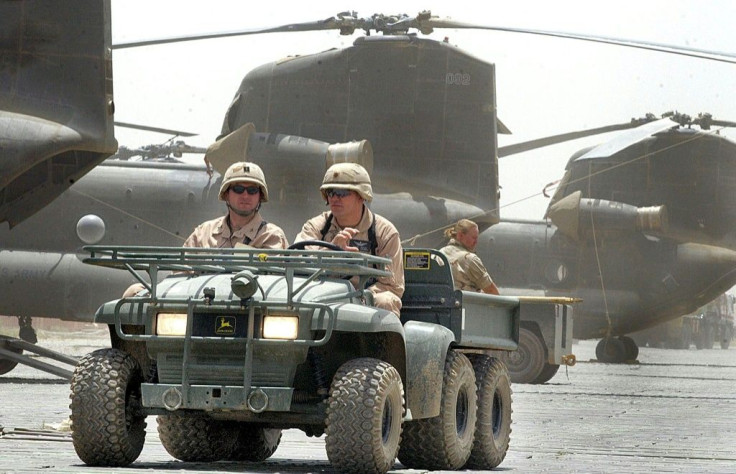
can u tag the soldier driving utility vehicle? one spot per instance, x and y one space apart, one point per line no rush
238 344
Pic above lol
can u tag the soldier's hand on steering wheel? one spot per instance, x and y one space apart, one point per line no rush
342 239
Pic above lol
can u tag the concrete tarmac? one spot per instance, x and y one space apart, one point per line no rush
673 411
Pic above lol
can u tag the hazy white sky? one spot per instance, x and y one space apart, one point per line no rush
544 85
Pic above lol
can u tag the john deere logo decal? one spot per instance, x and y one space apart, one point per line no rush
225 325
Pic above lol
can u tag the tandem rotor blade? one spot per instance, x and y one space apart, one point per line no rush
435 22
348 22
328 24
569 136
644 127
563 137
628 138
167 131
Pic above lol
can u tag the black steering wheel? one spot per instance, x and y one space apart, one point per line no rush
316 243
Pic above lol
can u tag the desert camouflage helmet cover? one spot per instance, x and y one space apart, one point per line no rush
348 176
244 171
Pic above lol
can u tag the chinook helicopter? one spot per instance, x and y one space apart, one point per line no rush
412 100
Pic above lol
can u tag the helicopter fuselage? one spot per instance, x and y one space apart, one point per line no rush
638 282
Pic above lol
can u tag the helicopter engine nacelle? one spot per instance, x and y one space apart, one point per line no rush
293 152
574 216
293 165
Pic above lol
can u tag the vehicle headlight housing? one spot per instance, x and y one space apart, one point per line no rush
171 324
280 326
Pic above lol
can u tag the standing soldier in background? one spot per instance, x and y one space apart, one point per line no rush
468 270
350 225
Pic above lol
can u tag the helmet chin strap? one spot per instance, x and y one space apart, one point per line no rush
244 213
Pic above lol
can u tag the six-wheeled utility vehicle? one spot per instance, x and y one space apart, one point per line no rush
234 345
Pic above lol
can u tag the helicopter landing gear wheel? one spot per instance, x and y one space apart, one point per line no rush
6 365
632 350
611 350
708 335
26 332
726 335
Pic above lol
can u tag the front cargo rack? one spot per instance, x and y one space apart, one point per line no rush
313 263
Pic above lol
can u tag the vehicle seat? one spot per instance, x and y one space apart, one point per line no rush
430 293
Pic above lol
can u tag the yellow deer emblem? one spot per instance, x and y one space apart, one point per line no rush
225 326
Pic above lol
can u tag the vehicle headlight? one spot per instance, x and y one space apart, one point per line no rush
279 326
171 324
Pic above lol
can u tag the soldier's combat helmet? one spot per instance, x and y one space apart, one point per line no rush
348 176
244 171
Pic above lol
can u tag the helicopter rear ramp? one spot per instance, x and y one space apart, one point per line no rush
56 107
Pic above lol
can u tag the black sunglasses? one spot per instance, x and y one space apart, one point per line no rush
240 189
341 193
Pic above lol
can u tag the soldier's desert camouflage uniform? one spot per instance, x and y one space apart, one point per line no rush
217 234
387 291
468 270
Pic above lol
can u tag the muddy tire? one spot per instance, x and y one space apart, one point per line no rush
108 427
196 437
526 363
445 441
364 415
255 443
493 426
